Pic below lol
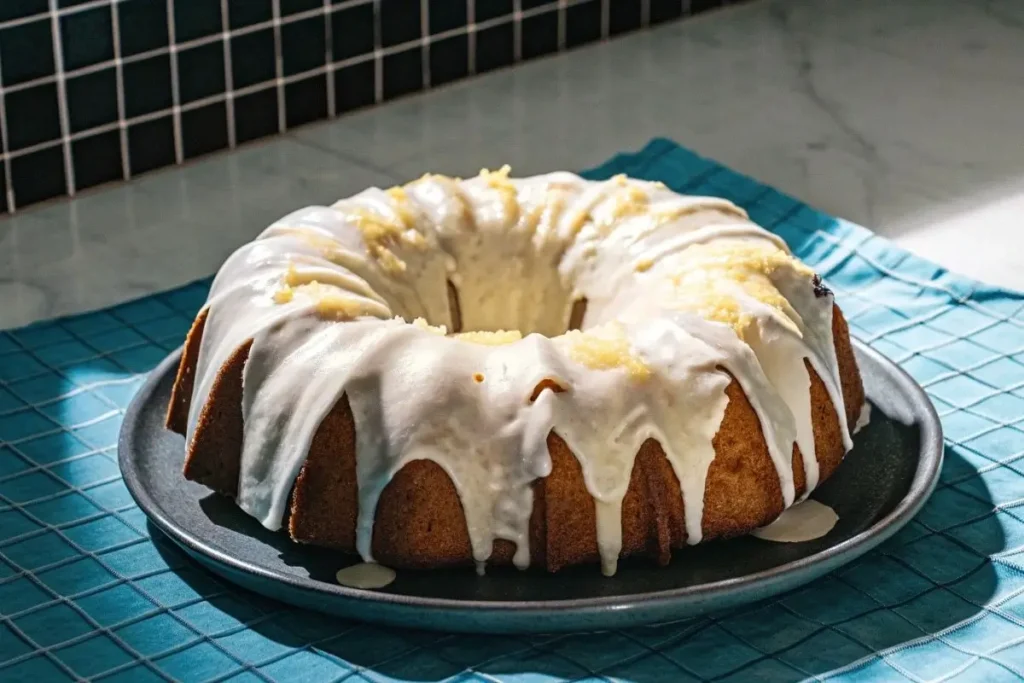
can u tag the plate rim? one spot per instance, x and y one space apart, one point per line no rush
732 590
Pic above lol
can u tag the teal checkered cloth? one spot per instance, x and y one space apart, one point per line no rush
86 592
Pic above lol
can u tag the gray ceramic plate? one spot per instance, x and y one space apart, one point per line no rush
882 483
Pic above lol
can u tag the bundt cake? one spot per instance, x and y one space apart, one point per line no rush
544 371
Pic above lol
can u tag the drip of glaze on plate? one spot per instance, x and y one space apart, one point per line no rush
365 576
803 522
864 419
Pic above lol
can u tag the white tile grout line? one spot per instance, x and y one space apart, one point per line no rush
179 152
115 19
207 40
378 59
332 109
8 187
229 80
196 104
562 20
167 49
123 123
517 31
424 44
471 37
282 118
10 23
62 97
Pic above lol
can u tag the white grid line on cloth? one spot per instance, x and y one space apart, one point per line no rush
78 388
969 408
994 465
86 387
879 607
932 315
698 624
923 320
931 582
102 450
62 98
922 284
31 576
97 557
985 610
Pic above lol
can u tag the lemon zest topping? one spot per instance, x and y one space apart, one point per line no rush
337 307
499 181
710 275
605 348
421 323
401 200
328 301
380 234
496 177
496 338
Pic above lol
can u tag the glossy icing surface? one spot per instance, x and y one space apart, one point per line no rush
441 309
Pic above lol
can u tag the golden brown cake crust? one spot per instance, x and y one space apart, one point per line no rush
419 521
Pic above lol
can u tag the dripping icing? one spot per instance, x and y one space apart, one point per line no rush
683 295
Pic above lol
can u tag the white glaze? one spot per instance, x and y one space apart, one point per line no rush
519 252
365 575
806 521
864 418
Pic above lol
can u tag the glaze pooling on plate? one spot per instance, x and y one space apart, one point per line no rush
358 299
365 575
803 522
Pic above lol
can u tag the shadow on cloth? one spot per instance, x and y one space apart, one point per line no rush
887 599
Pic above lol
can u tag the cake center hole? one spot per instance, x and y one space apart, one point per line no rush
576 316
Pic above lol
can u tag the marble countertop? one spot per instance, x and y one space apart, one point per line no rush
903 117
